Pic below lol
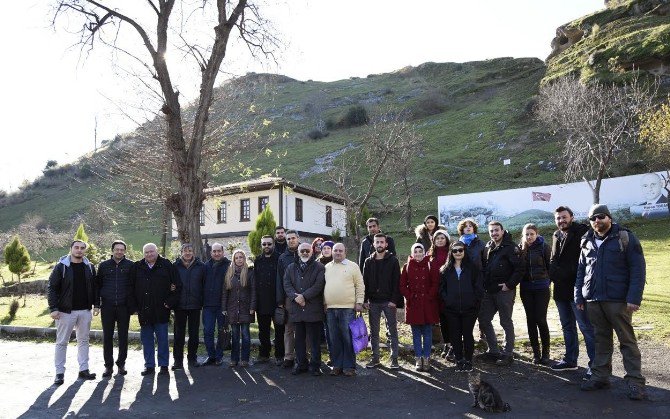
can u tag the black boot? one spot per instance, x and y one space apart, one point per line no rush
536 355
545 359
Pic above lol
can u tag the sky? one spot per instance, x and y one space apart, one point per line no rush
55 98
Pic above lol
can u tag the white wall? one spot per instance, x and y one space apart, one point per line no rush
314 214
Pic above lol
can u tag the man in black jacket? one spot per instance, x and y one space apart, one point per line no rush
503 270
155 290
192 275
367 245
112 281
71 293
563 272
287 258
280 244
381 276
265 273
212 315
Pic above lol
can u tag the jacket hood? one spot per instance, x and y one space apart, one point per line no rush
421 230
412 262
65 260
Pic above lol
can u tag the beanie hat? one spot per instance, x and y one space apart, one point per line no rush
414 246
599 209
327 243
446 234
431 217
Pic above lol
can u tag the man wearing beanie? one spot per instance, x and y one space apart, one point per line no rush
610 281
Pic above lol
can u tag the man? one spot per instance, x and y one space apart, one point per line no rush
288 257
71 294
113 282
192 276
503 270
652 189
265 274
343 297
610 281
303 284
154 290
212 316
563 272
381 276
280 244
367 245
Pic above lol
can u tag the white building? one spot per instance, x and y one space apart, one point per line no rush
229 211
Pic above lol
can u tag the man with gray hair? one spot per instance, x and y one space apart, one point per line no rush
71 293
155 289
288 257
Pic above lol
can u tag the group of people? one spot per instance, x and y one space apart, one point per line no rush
307 292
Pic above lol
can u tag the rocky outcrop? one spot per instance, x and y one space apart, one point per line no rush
566 36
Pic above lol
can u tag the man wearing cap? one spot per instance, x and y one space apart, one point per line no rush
610 281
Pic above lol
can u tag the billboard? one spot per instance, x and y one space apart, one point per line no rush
643 195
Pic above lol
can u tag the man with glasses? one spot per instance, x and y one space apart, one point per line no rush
610 281
287 258
265 274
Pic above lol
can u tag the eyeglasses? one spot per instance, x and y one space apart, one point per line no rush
458 250
266 244
303 251
598 216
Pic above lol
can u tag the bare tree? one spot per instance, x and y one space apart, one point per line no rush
598 122
156 25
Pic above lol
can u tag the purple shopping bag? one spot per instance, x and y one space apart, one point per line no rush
359 334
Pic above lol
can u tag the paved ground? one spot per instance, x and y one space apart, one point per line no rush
262 390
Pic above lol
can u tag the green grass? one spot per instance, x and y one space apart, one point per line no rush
42 271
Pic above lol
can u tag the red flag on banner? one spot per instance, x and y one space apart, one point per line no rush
541 196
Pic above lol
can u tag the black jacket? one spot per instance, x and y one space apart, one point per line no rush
60 287
280 248
385 286
214 275
464 295
286 258
265 272
564 260
310 284
192 284
536 261
367 248
502 264
112 281
150 290
475 252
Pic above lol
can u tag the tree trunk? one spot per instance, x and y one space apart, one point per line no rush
408 206
166 227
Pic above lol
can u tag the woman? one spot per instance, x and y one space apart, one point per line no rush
535 294
239 304
439 252
461 291
316 246
326 252
424 232
419 285
467 229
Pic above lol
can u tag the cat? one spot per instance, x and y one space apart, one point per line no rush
485 396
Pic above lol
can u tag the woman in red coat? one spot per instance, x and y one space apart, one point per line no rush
419 284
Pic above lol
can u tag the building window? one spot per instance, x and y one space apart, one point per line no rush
329 216
245 210
298 209
262 203
222 213
202 215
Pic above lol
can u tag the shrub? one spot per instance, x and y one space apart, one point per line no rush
355 117
430 103
13 308
316 134
265 225
17 257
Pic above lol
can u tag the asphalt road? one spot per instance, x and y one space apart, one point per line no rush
263 390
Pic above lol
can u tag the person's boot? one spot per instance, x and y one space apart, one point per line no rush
108 372
545 359
537 356
426 364
419 364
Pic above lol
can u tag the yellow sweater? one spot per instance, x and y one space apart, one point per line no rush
344 285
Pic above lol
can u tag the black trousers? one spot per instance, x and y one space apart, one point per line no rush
444 328
114 316
304 332
460 327
264 321
181 318
535 304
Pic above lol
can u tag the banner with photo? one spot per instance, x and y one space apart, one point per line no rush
643 195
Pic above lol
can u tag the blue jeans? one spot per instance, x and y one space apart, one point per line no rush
212 318
341 347
242 329
422 332
571 317
147 333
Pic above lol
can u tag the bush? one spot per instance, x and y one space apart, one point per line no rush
265 225
316 134
355 117
17 257
13 308
430 103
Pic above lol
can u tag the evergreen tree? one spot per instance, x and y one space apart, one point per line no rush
265 225
92 253
17 257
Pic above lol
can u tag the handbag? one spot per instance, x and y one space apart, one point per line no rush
225 338
280 316
359 333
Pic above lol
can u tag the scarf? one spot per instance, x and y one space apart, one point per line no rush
468 238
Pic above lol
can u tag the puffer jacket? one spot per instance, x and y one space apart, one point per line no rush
112 281
238 301
193 284
502 264
151 290
423 237
564 260
215 272
536 259
60 287
419 284
310 284
608 272
461 295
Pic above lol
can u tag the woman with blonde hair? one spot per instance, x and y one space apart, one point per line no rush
238 303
